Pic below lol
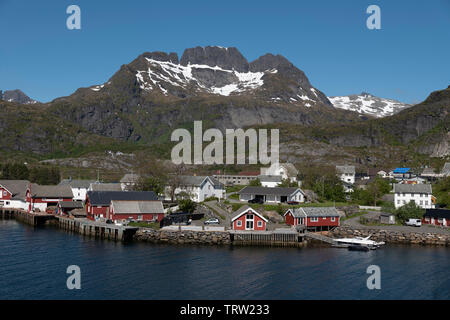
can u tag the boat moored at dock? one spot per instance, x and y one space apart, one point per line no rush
358 241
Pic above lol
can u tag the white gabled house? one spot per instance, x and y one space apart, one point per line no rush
272 195
269 181
285 170
421 194
129 181
79 188
346 173
198 188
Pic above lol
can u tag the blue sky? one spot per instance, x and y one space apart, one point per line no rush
405 60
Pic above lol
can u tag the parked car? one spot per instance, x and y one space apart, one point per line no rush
212 221
109 221
293 202
413 222
256 200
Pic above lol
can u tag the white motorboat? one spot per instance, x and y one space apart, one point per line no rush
358 241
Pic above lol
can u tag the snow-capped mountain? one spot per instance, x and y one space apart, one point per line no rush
368 104
16 96
223 72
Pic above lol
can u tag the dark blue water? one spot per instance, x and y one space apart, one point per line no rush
33 265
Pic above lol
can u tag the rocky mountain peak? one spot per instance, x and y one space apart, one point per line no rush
226 58
16 96
368 104
269 61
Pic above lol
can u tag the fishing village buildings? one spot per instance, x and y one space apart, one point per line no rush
119 204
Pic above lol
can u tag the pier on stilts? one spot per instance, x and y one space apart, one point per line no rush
34 219
83 226
96 229
276 238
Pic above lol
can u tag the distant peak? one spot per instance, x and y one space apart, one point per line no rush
16 96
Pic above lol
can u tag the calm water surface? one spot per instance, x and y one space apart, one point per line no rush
33 264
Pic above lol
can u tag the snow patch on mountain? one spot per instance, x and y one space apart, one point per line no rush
160 72
367 104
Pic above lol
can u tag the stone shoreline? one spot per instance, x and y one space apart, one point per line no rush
183 237
224 237
390 236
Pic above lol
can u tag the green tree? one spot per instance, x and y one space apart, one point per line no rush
255 183
150 184
187 205
409 211
288 183
442 191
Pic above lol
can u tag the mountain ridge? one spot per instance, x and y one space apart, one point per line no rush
146 99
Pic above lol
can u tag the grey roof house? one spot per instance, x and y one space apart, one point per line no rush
276 194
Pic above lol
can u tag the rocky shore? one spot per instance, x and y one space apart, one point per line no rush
390 236
183 237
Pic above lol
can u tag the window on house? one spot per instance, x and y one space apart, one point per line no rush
333 219
426 203
260 224
239 223
4 193
314 219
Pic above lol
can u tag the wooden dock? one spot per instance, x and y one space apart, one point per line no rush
34 219
277 238
99 230
83 226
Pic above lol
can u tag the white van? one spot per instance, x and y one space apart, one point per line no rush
414 222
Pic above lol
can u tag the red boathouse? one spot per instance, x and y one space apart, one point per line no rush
46 198
313 218
121 210
98 202
247 218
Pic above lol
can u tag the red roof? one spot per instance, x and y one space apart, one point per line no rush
249 173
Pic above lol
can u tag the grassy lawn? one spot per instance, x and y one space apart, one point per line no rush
358 214
234 196
153 225
233 188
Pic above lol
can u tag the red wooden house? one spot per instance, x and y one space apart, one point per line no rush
437 217
46 198
98 202
313 218
13 194
120 210
247 218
